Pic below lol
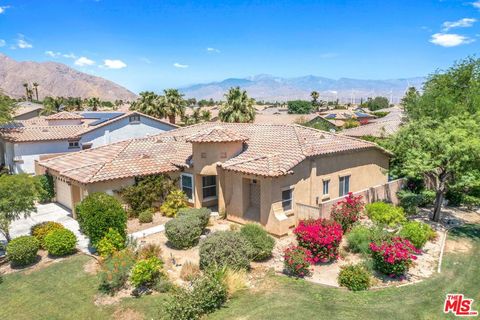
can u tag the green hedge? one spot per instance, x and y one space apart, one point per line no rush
417 232
354 277
23 250
60 242
184 231
202 213
40 230
385 213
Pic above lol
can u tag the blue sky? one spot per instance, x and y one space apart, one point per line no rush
159 44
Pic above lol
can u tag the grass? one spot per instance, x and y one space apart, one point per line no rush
64 291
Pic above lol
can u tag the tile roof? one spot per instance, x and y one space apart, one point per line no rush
381 127
26 107
271 150
217 134
64 115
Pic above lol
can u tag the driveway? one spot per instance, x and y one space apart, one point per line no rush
48 212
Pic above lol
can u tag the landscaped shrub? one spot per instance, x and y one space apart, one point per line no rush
235 280
418 233
175 200
394 257
360 237
115 270
60 242
190 271
322 237
110 243
262 243
23 250
162 285
149 250
385 213
183 232
354 277
410 201
297 261
40 230
146 216
347 211
145 272
99 212
202 213
225 249
46 188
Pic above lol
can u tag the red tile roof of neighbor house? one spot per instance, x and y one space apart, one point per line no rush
271 150
64 115
217 134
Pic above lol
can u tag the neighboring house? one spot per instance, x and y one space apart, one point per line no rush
27 110
381 127
338 117
251 172
24 142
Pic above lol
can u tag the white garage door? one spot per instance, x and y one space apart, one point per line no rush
64 195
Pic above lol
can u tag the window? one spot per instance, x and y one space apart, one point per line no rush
287 198
73 144
326 186
344 185
134 118
209 186
187 185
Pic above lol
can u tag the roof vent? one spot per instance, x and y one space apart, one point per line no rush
144 156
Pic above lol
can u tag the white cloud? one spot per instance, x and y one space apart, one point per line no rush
23 44
114 64
181 66
476 4
449 39
52 54
84 61
213 50
2 9
69 55
56 54
462 23
2 43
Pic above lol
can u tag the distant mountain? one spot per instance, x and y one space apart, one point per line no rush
56 79
271 88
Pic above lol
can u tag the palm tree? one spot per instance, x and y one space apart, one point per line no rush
35 86
315 95
51 105
94 103
26 91
150 104
238 107
173 103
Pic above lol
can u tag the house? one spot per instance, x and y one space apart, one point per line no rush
338 117
381 127
27 110
25 141
251 172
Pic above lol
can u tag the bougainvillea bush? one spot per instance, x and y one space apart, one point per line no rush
347 211
393 257
321 237
297 261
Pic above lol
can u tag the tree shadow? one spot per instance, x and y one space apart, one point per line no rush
470 231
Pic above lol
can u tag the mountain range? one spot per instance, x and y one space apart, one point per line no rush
56 79
271 88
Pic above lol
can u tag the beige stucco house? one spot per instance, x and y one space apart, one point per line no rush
251 172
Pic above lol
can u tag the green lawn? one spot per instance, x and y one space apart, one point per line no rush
65 291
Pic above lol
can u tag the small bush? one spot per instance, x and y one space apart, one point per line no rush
385 213
354 277
150 250
40 230
162 285
225 249
347 211
60 242
146 272
297 261
202 213
235 280
46 188
175 201
190 271
393 258
360 236
23 250
146 216
99 212
183 232
417 232
110 243
259 240
410 201
115 271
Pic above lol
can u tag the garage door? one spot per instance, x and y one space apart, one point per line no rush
64 195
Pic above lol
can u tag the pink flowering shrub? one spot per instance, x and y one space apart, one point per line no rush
297 261
347 211
321 237
393 257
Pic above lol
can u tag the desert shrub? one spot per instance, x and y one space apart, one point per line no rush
190 271
393 258
99 212
385 213
321 237
40 230
297 261
46 188
354 277
23 250
145 272
60 242
261 242
149 250
417 232
115 270
174 201
225 249
183 232
347 211
146 191
146 216
110 243
410 201
360 237
202 213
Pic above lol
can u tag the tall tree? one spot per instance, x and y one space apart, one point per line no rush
35 87
315 95
376 103
52 105
173 103
27 91
94 103
6 108
149 103
238 107
410 98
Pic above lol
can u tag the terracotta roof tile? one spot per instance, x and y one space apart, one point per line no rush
64 115
217 134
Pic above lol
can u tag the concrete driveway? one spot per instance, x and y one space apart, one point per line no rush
48 212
